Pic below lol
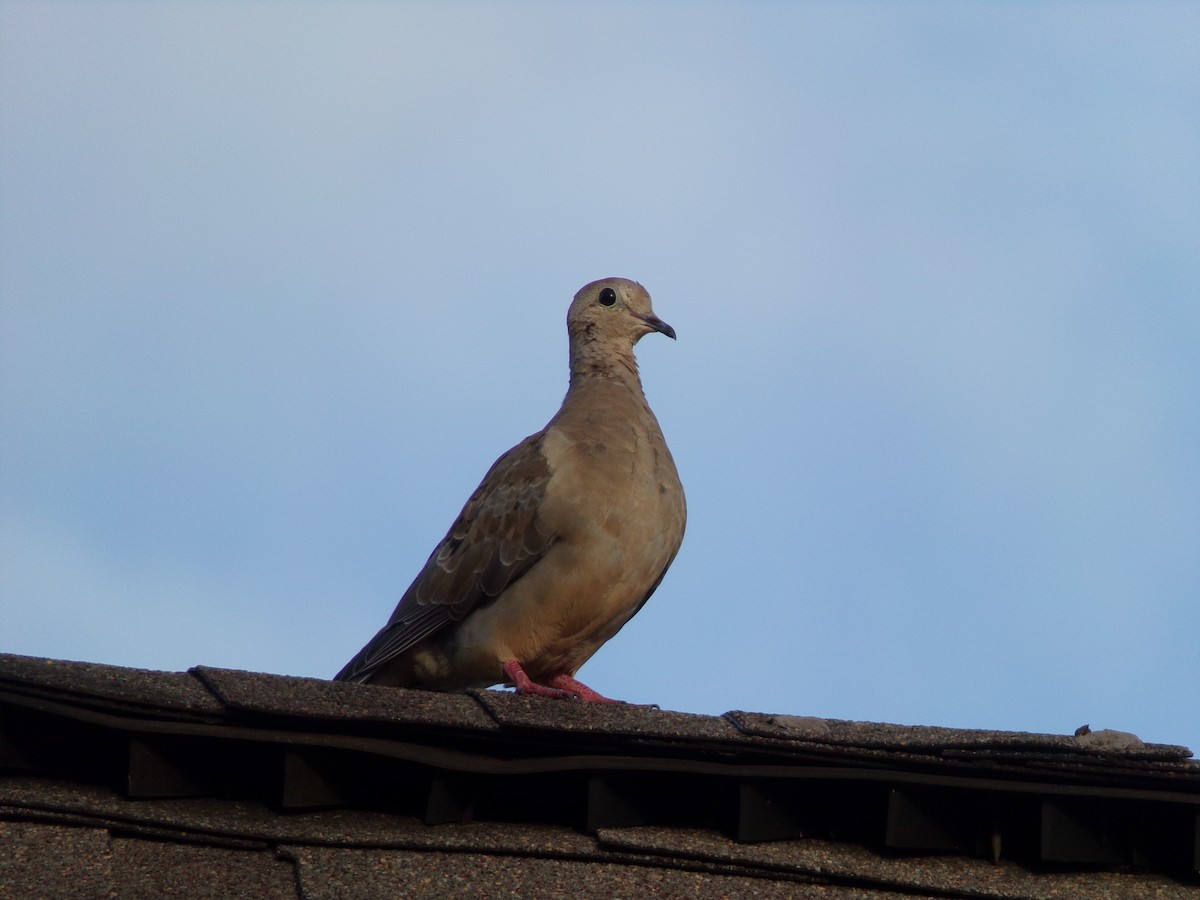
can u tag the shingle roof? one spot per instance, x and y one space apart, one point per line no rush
118 781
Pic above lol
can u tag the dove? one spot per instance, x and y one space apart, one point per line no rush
564 540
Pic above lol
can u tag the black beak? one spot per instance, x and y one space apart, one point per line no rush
659 325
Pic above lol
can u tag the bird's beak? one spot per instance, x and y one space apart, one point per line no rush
656 324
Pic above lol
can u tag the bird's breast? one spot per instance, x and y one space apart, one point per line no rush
614 486
615 507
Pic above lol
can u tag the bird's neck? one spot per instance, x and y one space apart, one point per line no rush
593 363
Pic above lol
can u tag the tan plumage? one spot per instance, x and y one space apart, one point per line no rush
566 537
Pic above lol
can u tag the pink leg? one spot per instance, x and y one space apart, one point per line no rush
525 685
579 689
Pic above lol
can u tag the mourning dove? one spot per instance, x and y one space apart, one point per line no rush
567 536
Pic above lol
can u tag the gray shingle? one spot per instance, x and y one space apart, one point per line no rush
346 875
108 685
154 869
39 859
152 780
312 698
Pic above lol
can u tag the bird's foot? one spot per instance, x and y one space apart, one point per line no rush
579 689
561 687
526 685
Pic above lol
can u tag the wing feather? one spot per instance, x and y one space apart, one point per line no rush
496 538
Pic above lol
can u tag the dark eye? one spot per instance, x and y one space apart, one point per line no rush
608 297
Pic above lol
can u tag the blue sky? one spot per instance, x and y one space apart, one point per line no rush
278 282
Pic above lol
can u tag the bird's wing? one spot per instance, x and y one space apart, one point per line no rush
496 538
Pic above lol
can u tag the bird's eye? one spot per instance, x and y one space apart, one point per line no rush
608 297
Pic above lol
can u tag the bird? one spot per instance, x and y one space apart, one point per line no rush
564 540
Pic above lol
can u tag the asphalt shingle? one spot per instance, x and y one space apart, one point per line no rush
120 782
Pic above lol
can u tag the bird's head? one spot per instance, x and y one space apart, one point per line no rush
615 312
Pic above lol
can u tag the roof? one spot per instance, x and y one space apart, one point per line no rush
213 781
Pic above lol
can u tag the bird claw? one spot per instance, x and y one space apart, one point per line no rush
579 690
560 687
